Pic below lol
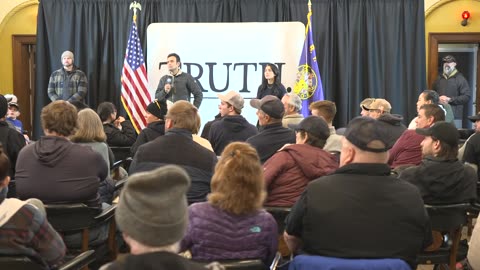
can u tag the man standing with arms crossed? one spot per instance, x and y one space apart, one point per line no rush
178 85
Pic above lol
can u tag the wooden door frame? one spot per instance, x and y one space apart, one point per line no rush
437 38
18 51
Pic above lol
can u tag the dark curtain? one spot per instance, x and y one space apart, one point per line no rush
365 48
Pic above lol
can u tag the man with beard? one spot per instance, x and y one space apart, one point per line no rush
67 83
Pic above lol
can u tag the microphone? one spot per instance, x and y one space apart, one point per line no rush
289 89
169 80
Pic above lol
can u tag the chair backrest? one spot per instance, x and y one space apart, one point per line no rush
121 152
71 217
19 262
279 213
243 264
445 218
309 262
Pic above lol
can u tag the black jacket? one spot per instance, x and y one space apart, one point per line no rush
177 147
151 132
12 142
117 137
160 260
455 87
270 139
443 181
392 123
230 129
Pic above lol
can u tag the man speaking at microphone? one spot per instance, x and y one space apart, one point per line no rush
178 85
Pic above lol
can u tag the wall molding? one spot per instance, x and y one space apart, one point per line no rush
14 11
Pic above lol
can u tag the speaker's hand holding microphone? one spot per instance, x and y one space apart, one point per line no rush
168 85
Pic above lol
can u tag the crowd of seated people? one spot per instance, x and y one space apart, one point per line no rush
180 196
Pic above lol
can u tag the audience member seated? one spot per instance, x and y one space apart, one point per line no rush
471 154
155 116
288 171
232 127
431 97
119 131
12 116
407 149
24 229
327 110
152 214
441 177
90 132
232 224
360 211
392 123
273 135
364 112
292 105
54 169
177 147
11 140
365 104
208 125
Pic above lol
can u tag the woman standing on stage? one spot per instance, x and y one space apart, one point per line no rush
271 84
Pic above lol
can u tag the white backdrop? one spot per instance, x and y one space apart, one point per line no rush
207 50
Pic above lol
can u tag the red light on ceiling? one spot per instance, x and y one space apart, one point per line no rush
465 15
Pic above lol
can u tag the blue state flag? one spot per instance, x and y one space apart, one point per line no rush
308 84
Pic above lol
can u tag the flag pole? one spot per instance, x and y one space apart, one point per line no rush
135 95
136 6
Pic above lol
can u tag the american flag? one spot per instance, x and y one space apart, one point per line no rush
135 96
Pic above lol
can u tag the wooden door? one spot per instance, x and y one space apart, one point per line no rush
23 50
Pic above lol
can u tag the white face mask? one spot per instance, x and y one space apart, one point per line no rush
447 69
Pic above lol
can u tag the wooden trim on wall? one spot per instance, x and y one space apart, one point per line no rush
21 87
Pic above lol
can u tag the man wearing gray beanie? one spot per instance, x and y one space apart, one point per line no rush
152 214
67 83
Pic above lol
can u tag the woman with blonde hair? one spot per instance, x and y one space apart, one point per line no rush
90 132
232 224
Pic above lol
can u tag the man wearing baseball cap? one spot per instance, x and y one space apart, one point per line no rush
471 151
441 177
273 135
67 83
392 123
361 192
453 89
232 127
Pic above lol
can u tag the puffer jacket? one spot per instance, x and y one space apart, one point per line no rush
214 234
288 172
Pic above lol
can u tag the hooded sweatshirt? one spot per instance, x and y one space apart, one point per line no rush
392 123
443 181
232 128
55 170
288 172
